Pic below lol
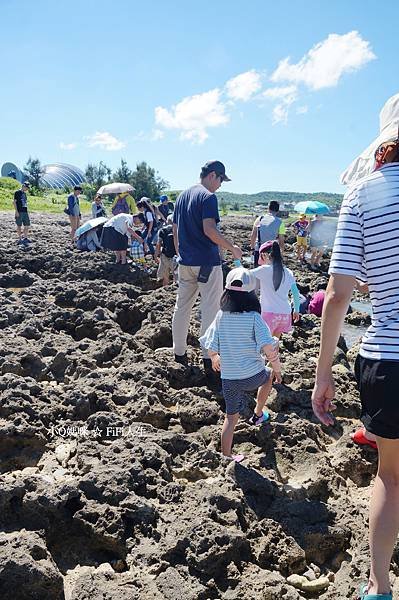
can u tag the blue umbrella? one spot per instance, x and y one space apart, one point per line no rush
91 224
311 207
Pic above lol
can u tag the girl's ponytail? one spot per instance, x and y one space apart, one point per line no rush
278 267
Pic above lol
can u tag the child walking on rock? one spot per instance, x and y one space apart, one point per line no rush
276 282
235 342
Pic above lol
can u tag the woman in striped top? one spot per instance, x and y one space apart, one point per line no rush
366 248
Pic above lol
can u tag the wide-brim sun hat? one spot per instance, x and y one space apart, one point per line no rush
240 274
364 164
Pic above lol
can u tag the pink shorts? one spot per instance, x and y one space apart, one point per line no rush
278 323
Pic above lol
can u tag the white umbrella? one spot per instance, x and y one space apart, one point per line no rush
115 188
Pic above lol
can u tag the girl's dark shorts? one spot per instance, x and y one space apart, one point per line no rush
378 385
235 391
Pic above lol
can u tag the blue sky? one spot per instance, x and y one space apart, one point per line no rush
178 83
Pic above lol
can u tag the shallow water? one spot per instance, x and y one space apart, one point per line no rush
361 306
352 333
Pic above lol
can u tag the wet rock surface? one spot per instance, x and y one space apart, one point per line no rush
112 485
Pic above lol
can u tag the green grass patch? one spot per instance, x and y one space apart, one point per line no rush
50 202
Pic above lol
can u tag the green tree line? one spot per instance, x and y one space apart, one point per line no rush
144 179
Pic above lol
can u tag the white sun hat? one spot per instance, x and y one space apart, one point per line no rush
242 276
389 126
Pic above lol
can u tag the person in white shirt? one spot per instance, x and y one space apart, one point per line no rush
276 282
116 233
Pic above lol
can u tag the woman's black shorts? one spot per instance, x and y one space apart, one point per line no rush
378 385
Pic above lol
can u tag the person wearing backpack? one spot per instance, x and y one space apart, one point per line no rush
165 252
124 203
267 227
150 221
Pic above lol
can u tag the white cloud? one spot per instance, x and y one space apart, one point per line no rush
301 110
280 114
327 61
285 93
244 86
157 134
194 115
105 141
152 136
70 146
285 96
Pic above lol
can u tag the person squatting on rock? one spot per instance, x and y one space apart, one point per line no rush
88 241
235 342
21 213
115 236
267 227
165 252
97 207
366 248
197 242
73 210
276 281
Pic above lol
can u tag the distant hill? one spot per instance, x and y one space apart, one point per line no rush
332 200
237 201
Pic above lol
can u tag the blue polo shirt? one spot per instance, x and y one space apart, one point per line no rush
193 206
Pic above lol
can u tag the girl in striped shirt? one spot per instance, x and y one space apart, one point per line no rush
236 342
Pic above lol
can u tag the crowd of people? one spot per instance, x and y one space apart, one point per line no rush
240 330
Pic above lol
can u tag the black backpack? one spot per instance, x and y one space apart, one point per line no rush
166 234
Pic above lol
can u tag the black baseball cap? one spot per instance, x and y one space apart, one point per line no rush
217 166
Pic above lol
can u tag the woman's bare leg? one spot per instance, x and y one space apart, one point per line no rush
384 515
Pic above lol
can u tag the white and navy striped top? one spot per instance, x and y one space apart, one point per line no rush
238 338
367 247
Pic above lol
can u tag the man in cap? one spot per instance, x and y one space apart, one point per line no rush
366 250
197 241
21 213
165 208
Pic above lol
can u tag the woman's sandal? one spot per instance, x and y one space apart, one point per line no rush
363 595
359 438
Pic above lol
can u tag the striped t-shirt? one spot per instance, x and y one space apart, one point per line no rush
238 338
367 247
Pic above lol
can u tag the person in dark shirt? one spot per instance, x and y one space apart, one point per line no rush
197 241
73 210
21 213
165 252
165 208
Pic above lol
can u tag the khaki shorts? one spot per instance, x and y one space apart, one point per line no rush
166 267
302 241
